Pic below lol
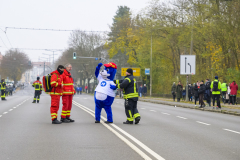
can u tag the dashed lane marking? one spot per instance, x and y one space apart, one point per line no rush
5 112
181 117
165 113
142 154
10 109
153 111
0 115
231 131
14 107
203 123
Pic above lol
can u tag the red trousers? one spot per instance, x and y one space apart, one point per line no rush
55 99
67 105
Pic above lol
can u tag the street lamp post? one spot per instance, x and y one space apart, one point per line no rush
151 69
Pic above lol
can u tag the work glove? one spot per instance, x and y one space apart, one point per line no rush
113 87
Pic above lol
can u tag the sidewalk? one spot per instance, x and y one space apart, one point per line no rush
226 109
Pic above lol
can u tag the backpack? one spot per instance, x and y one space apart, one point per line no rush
215 86
47 82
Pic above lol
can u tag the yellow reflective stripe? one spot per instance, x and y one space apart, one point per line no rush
68 84
52 93
64 111
130 114
63 114
68 111
128 79
136 115
56 84
68 92
118 86
54 114
54 117
53 82
117 81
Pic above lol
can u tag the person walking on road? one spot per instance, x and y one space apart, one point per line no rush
173 90
179 90
216 91
38 90
224 90
68 92
56 93
131 97
201 92
3 90
233 93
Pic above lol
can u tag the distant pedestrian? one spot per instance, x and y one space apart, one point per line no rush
201 92
196 88
190 92
179 90
207 95
224 90
173 90
140 89
233 94
86 89
144 90
80 89
216 91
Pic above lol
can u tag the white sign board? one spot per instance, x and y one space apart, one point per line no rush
188 64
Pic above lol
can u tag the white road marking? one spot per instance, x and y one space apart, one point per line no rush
14 107
154 154
165 113
5 112
153 111
203 123
181 117
231 131
0 115
10 109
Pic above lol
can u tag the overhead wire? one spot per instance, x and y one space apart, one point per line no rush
7 38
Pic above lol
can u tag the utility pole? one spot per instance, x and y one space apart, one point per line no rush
151 69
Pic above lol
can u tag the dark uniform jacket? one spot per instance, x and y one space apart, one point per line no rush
129 87
202 89
3 85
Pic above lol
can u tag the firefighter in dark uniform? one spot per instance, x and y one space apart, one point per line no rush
38 90
3 90
130 95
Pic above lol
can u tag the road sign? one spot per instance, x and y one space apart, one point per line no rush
188 64
147 71
136 72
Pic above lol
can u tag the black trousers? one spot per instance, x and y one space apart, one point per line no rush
201 99
37 96
233 98
3 94
174 96
216 96
131 109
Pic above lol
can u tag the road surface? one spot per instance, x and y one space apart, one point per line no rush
164 132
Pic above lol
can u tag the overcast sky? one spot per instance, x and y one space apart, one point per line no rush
93 15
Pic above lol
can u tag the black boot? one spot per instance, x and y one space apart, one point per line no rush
128 122
108 122
71 120
64 120
55 121
97 121
37 101
34 101
137 120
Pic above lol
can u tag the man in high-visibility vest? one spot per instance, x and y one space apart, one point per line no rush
3 90
38 90
130 95
224 88
216 92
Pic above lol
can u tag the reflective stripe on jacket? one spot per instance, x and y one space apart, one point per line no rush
68 88
224 87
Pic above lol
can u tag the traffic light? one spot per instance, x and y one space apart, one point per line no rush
74 55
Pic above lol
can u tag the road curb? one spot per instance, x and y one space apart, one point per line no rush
197 108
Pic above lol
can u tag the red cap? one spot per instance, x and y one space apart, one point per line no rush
111 64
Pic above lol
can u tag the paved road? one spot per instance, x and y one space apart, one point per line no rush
165 132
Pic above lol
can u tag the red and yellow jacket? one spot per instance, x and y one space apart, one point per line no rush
68 88
37 85
56 83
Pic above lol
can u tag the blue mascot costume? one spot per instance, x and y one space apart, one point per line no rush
104 93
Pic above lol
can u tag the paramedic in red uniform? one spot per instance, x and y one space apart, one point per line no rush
56 93
68 92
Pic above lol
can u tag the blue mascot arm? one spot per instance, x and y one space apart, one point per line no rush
113 87
98 69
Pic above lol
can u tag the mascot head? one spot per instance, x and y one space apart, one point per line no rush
109 71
